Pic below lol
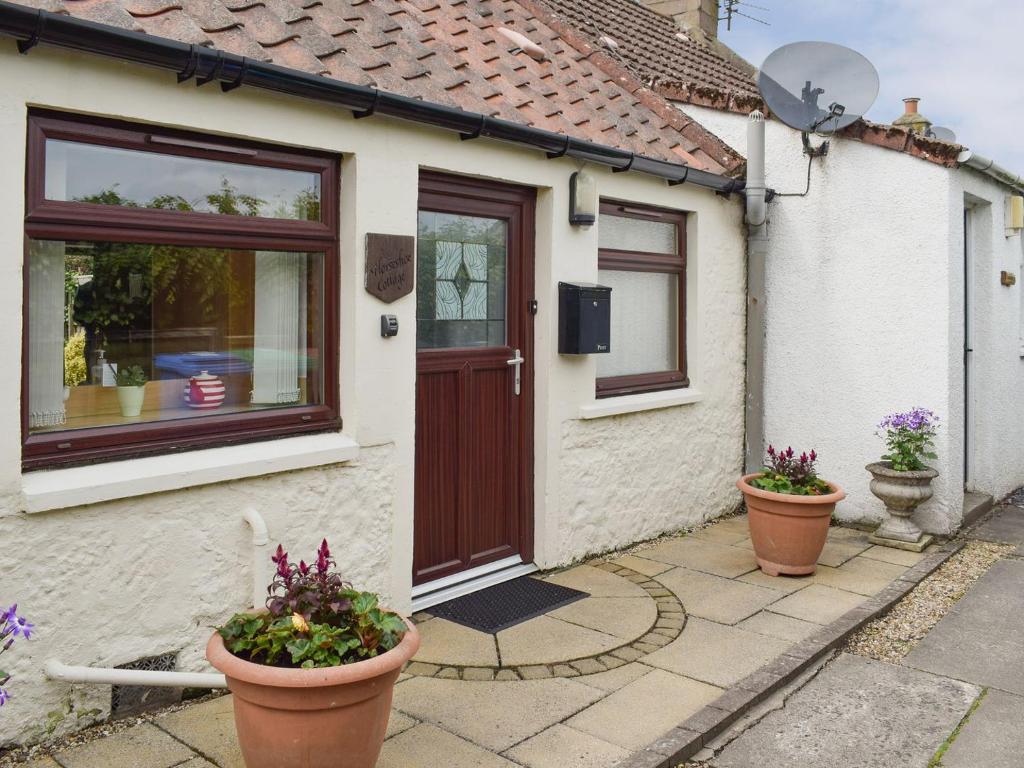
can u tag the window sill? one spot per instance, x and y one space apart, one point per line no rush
73 487
646 401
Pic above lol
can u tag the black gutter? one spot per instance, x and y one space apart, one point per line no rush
30 27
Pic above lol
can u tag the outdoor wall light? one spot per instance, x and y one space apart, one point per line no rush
582 199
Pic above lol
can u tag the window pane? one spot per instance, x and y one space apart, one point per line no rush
645 323
624 233
123 333
87 173
460 289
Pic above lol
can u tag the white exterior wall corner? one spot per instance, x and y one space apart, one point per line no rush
862 312
996 453
115 581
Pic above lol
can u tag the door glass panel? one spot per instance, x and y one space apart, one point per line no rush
460 285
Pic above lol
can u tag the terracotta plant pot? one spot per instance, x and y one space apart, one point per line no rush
312 718
788 531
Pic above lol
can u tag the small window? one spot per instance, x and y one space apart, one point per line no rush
181 292
642 257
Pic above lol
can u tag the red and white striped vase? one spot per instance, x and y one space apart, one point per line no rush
204 391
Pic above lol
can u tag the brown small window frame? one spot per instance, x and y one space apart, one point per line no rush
641 261
58 220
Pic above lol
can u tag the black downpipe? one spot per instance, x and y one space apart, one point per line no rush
30 27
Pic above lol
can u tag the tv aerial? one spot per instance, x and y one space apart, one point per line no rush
817 88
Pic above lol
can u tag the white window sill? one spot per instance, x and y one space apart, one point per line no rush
646 401
72 487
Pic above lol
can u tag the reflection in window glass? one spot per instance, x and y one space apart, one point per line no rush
645 323
123 333
88 173
460 286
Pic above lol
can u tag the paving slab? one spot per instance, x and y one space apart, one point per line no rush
625 617
428 747
596 582
642 565
712 597
979 640
398 723
563 747
644 710
545 640
817 603
493 715
616 678
896 556
1005 524
445 642
838 551
777 625
145 746
209 728
706 556
859 574
857 713
715 653
781 583
992 737
721 535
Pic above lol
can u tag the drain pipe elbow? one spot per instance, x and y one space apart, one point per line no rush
260 557
757 207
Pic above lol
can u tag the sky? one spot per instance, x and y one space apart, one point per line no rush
961 57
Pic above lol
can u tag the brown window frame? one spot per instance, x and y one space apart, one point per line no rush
642 261
59 220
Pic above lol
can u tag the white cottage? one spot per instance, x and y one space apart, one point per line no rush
238 313
893 281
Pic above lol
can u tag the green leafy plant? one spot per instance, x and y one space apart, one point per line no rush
131 376
75 369
785 472
313 619
908 438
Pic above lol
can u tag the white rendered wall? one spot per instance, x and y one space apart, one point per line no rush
996 453
114 581
864 300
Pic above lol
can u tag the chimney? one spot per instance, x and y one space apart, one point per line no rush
911 118
699 18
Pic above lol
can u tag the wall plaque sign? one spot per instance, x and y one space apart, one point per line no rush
390 266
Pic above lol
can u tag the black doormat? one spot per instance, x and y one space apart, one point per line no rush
507 604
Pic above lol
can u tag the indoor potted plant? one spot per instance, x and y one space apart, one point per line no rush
789 509
131 389
75 369
312 674
902 480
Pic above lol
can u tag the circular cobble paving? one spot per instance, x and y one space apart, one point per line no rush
667 626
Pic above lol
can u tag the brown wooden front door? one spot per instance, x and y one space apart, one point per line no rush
474 436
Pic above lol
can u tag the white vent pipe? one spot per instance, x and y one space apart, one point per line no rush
757 256
57 670
757 208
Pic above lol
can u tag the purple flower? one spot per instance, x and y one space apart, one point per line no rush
4 696
15 625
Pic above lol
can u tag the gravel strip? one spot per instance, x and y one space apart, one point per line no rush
20 755
892 636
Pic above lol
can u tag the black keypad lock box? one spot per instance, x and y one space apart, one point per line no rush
584 319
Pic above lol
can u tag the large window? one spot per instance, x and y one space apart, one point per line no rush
181 291
642 257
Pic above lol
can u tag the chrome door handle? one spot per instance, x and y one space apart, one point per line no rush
518 361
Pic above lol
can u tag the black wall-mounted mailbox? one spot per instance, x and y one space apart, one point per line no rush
584 318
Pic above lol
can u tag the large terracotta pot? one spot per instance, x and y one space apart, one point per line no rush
312 718
788 532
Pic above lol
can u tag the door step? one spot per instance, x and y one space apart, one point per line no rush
975 506
459 584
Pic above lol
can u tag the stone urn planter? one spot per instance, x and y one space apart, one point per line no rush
902 493
788 531
332 717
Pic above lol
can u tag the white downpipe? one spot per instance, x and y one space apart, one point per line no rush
757 256
55 670
260 556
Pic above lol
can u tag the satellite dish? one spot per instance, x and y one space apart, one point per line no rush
817 87
942 134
